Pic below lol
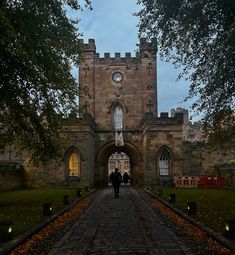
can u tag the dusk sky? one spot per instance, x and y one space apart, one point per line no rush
114 27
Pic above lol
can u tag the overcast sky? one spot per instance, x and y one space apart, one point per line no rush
112 24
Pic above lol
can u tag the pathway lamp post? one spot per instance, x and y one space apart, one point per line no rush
66 199
47 209
160 192
6 230
230 229
192 208
78 192
172 198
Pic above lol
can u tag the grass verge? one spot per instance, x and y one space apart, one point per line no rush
214 206
24 207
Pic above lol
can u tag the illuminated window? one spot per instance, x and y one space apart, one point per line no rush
164 163
73 165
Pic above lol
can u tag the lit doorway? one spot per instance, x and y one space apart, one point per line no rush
121 161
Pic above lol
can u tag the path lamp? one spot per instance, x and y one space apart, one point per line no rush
230 229
192 208
47 209
6 231
172 198
160 192
78 192
66 199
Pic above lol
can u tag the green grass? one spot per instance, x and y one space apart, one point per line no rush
214 205
24 207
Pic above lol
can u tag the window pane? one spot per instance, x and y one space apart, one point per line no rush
164 163
118 117
73 165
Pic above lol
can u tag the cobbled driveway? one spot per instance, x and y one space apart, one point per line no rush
124 225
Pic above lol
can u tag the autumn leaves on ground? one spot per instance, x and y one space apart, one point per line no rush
45 238
213 206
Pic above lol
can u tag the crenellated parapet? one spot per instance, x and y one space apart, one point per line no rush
116 59
88 47
146 49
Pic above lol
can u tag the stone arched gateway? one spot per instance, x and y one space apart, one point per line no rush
118 95
136 163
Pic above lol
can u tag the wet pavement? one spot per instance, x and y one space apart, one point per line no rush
124 225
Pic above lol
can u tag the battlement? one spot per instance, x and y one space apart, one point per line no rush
117 58
117 55
90 46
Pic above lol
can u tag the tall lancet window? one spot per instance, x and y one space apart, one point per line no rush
118 118
164 163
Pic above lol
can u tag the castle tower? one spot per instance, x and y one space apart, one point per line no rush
118 86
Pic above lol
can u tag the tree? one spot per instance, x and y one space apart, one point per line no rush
38 45
200 35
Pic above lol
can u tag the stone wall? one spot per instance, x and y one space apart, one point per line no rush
79 136
11 176
192 159
228 172
162 133
100 92
203 159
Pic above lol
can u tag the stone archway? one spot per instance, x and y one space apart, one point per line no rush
136 163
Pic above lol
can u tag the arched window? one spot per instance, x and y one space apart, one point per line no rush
118 117
74 165
164 163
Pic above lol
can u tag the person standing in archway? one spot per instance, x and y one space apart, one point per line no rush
116 181
125 178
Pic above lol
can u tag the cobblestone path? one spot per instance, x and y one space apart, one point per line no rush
125 225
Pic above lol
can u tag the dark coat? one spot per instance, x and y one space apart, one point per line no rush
116 178
125 178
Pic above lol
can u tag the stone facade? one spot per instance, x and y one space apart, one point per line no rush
192 131
11 176
118 95
136 92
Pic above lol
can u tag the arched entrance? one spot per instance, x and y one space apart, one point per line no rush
121 161
102 159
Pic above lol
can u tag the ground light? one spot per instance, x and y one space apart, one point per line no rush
172 198
66 199
230 229
160 192
78 192
192 208
6 231
47 209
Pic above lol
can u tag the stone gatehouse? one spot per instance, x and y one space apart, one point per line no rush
119 114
